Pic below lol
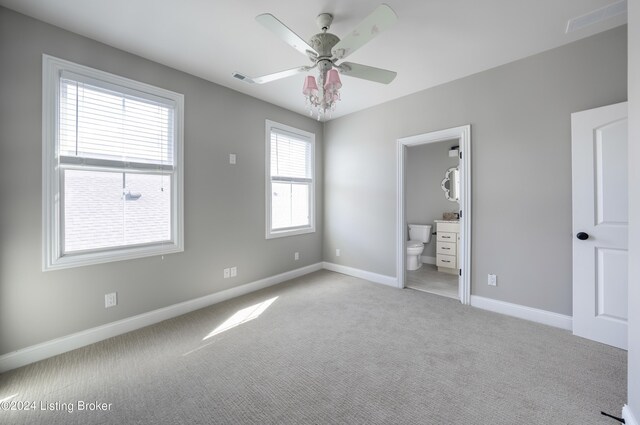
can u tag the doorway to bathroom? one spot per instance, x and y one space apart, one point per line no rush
434 213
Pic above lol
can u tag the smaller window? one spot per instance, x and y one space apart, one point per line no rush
290 181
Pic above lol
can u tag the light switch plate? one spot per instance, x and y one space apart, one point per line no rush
492 280
232 158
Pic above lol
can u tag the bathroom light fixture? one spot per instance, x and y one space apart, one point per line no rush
322 102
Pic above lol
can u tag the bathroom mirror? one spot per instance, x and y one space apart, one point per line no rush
451 184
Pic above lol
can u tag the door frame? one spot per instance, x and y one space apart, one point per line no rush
463 134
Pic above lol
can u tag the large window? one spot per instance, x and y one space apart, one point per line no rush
290 181
112 158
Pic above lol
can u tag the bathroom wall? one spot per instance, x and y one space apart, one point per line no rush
425 200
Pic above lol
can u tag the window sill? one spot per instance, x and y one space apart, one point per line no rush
87 259
292 232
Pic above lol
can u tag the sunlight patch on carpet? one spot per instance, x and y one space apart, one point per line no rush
242 316
8 398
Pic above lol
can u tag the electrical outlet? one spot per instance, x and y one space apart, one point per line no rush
110 300
227 273
232 158
234 271
492 280
337 252
296 256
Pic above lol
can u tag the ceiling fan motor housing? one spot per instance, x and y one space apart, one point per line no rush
323 43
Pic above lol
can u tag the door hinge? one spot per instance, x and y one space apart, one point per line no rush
460 272
460 153
460 214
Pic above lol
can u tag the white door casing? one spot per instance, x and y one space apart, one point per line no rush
600 214
463 135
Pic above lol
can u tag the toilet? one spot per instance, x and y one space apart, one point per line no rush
419 234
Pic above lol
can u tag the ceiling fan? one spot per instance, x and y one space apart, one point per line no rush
325 50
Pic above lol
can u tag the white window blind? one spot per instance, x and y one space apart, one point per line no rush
100 124
290 157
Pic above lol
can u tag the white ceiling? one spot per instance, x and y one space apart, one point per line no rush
433 42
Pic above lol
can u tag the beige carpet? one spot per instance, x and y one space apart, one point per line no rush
330 349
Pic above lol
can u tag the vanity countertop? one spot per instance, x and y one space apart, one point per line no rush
446 221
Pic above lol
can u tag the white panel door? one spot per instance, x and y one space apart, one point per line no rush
600 216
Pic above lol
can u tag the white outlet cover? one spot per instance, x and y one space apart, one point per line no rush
296 256
337 252
110 300
232 158
492 280
234 271
227 273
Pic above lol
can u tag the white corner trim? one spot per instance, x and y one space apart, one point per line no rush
362 274
528 313
627 415
428 260
66 343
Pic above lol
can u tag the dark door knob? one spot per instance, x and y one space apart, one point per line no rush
582 236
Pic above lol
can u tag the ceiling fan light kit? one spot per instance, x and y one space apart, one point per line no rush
325 105
324 50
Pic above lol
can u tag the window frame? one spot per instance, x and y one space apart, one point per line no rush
52 174
310 138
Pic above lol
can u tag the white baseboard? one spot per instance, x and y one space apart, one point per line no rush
63 344
535 315
627 415
362 274
428 260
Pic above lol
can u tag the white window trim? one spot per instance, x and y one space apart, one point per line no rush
51 225
311 228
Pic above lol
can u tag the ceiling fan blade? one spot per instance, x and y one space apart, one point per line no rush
365 72
271 77
272 23
379 20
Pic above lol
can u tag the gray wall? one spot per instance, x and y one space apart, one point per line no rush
425 200
224 204
634 209
521 167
